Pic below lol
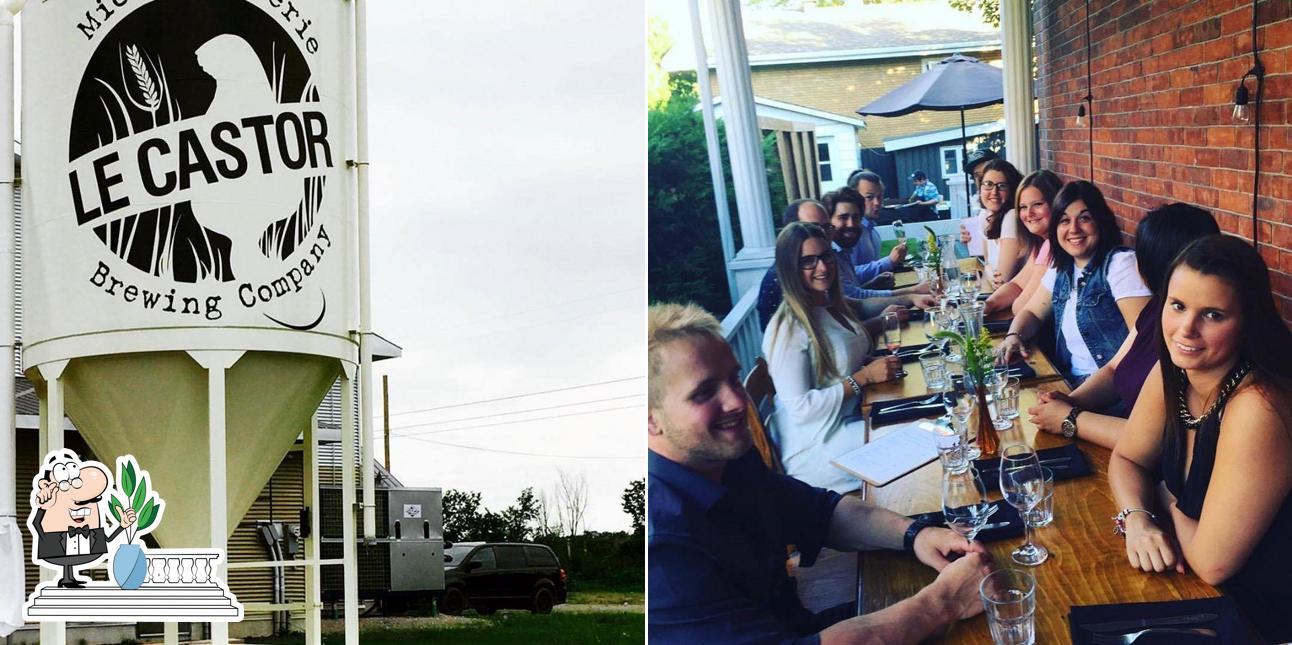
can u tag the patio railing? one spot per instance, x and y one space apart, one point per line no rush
743 330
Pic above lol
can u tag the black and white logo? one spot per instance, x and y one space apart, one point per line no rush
199 152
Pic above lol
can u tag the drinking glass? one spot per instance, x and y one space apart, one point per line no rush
1009 600
935 370
959 402
931 326
972 314
1043 513
1001 400
964 502
1007 395
1023 484
969 284
950 444
893 337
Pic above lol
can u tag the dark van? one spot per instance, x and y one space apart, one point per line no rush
492 576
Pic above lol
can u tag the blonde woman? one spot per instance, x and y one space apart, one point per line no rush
1035 194
816 348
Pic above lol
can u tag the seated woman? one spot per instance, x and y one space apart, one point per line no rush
1160 236
1035 194
815 348
1005 255
1093 290
1213 423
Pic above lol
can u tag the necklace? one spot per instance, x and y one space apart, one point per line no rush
1231 383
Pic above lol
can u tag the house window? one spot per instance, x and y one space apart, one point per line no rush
823 159
952 157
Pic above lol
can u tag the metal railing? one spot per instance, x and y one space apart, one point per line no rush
743 330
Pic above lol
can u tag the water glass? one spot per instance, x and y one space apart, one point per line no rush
893 336
935 370
1007 395
969 284
950 444
972 314
1009 600
1043 513
964 502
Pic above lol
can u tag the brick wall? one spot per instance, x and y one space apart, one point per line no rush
1163 81
841 88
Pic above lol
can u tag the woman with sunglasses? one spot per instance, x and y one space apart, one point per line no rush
1035 194
1093 290
1005 254
817 353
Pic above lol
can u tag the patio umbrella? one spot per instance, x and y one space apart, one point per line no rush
957 82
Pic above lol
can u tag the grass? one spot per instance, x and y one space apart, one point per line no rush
505 627
604 593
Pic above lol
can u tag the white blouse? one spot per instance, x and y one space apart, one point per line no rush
814 422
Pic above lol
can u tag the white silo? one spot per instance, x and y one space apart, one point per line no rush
191 274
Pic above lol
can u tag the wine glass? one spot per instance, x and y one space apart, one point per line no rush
931 324
969 284
893 337
964 502
1022 482
959 402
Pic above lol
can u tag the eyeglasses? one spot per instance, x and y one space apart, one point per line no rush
808 262
993 187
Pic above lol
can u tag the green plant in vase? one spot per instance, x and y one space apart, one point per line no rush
979 356
129 563
932 257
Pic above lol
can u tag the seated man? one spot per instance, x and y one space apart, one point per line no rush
719 521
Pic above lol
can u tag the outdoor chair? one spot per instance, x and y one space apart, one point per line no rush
761 396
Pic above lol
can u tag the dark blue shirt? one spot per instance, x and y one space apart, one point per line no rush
770 294
717 553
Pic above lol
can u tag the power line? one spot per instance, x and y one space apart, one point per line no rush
512 314
523 454
508 423
518 396
503 414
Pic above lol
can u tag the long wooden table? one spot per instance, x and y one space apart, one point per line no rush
1087 563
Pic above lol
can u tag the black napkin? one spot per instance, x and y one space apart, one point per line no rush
903 268
916 314
998 326
908 353
982 297
1076 465
1018 368
1004 513
880 417
1228 624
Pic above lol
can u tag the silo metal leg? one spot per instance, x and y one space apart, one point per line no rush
349 539
51 438
216 363
171 634
313 594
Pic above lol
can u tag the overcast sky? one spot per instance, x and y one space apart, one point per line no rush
508 241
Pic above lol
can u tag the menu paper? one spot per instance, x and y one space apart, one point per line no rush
903 449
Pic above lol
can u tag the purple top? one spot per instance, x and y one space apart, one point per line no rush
1134 367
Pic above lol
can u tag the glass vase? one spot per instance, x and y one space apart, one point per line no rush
988 437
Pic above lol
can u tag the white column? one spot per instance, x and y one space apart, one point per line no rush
216 363
170 634
715 154
365 273
8 440
51 438
313 594
1016 51
744 144
349 548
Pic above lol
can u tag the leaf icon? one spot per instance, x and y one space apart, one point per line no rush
141 493
115 506
128 480
147 515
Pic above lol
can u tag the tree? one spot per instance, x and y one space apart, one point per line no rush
461 515
519 517
989 9
548 523
634 504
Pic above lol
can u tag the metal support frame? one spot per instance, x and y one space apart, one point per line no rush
349 548
216 363
51 438
313 579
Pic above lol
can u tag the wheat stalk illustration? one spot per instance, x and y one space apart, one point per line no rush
143 78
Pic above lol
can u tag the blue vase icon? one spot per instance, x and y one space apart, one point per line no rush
129 566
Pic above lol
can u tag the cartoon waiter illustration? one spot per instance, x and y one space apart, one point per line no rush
66 518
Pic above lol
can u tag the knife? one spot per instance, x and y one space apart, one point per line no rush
993 525
1044 462
1124 626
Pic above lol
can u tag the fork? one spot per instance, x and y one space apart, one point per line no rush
1127 639
913 404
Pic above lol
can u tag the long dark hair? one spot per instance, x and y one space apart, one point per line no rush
1265 341
1162 234
1012 178
1109 235
1049 185
796 306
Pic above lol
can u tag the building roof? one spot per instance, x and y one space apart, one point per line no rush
863 31
793 112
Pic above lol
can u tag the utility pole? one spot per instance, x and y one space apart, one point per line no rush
385 413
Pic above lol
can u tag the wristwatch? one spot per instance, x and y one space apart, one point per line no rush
908 540
1069 425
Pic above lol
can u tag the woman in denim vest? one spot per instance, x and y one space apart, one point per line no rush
1093 289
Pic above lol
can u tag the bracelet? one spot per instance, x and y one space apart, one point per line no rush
1014 333
852 382
1119 520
